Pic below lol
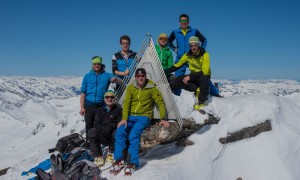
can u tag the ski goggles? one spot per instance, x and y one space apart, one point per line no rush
183 20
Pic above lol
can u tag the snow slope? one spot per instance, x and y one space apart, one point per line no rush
36 112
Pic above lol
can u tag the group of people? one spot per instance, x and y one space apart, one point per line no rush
120 128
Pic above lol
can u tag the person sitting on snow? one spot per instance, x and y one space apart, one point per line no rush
103 132
199 65
137 112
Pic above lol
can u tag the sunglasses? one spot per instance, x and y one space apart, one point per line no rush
194 45
163 39
109 97
96 64
140 75
124 43
183 20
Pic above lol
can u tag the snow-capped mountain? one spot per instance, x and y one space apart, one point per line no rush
36 111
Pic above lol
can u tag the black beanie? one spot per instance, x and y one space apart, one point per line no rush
140 71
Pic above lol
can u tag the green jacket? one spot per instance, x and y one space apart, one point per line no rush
140 102
165 56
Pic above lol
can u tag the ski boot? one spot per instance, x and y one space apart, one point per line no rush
117 167
99 161
109 157
130 168
198 106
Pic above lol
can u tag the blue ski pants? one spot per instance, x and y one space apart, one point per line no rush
135 127
213 90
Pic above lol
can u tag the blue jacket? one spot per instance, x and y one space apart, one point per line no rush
121 63
183 40
94 87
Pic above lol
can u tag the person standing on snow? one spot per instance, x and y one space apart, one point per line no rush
103 132
182 35
164 53
199 65
137 111
94 85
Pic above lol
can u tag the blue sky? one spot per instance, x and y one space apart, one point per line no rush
247 39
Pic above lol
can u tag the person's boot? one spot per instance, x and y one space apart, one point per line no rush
99 161
130 168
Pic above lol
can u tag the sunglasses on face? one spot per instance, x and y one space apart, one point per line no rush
109 97
96 64
194 45
183 20
140 75
124 43
163 39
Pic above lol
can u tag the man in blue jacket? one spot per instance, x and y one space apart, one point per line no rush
94 85
122 60
182 35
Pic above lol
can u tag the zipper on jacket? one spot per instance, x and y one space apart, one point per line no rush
139 101
161 60
184 43
96 88
126 60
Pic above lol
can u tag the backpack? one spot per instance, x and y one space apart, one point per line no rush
68 143
78 166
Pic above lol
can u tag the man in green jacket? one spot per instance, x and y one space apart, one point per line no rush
138 107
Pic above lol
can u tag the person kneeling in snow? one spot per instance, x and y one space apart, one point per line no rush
103 132
199 65
138 109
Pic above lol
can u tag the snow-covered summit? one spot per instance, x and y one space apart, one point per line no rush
35 112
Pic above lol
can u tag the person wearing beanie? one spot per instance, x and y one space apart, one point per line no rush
93 86
138 106
193 39
97 60
199 65
164 53
103 132
122 60
182 35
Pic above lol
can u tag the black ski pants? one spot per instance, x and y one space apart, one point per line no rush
96 138
89 117
196 80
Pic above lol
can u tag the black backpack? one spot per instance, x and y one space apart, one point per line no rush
76 167
68 143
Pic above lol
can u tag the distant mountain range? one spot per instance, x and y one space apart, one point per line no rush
16 91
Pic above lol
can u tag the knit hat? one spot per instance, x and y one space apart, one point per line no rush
110 92
193 39
163 35
97 60
140 71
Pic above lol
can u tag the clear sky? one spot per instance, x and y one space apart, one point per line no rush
247 39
